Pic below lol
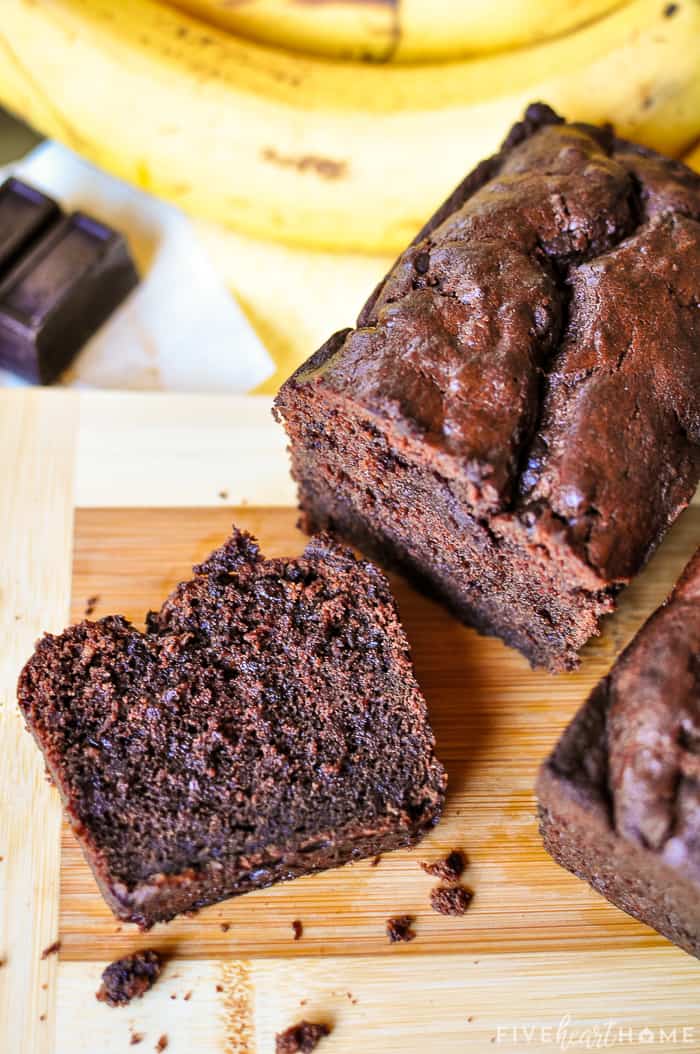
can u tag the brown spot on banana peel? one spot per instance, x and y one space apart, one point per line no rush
325 167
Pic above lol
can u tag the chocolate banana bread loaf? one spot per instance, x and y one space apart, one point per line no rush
266 725
619 798
515 421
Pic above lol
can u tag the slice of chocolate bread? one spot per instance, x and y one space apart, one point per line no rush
515 422
266 725
619 798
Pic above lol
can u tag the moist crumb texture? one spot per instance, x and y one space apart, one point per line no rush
301 1038
450 900
399 929
266 725
515 421
619 797
449 869
129 978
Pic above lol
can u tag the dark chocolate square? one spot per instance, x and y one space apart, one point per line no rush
60 293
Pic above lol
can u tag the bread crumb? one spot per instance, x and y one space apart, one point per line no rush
129 978
450 868
450 900
398 928
301 1038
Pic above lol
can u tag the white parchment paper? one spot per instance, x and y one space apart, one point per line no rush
181 329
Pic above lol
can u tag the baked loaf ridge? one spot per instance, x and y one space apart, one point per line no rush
619 797
515 421
266 725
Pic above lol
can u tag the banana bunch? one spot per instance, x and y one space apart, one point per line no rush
398 30
324 154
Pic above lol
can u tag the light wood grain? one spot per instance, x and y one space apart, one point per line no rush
36 499
459 1004
494 719
154 449
508 1003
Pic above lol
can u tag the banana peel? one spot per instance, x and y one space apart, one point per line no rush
397 30
320 154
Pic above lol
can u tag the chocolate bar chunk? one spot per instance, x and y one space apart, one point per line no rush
24 214
60 279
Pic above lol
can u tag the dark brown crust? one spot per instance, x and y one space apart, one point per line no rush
523 386
537 116
618 797
267 725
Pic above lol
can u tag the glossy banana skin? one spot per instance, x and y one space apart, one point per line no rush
398 30
326 155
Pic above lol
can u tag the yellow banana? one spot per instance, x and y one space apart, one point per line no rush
318 153
693 159
398 30
293 297
341 29
431 30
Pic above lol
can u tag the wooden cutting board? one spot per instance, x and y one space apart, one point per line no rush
107 500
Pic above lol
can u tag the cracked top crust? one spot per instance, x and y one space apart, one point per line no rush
540 340
633 751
